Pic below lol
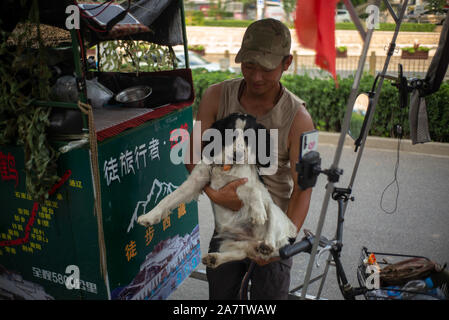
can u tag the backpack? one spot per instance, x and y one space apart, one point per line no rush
404 271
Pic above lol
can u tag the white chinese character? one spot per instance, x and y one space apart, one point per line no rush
91 287
126 162
46 275
37 272
140 152
110 171
82 285
154 149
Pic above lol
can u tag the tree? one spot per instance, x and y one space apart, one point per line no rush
436 5
289 6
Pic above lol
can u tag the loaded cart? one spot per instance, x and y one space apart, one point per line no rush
95 152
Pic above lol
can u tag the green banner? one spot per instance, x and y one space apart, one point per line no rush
39 241
136 173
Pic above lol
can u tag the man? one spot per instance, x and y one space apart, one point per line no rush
264 56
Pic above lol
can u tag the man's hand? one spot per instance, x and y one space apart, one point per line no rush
262 262
227 196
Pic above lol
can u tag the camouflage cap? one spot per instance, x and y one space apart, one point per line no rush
265 42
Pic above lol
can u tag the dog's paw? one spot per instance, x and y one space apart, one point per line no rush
147 220
264 250
151 218
210 260
258 213
259 219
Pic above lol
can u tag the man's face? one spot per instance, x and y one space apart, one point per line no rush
260 80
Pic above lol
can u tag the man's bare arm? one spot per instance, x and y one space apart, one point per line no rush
300 199
207 114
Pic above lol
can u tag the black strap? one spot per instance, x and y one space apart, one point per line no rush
243 292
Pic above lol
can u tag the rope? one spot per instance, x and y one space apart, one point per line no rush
87 109
26 237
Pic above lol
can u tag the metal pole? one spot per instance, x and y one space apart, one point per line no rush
80 75
344 130
376 99
377 93
355 18
345 127
323 279
184 35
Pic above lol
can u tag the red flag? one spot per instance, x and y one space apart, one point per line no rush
315 28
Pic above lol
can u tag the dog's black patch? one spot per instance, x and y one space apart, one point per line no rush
264 249
229 122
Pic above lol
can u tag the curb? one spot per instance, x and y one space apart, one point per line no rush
429 148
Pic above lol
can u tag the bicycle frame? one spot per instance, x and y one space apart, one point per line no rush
349 293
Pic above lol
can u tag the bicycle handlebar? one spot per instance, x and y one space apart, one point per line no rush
305 245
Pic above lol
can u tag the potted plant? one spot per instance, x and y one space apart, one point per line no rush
415 52
198 48
342 52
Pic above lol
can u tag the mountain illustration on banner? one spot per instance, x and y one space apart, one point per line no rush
159 190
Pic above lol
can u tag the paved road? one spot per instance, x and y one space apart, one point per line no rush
418 227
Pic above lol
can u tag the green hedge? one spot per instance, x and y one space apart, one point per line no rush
327 104
228 23
415 27
202 79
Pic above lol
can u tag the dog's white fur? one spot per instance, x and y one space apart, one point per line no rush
258 230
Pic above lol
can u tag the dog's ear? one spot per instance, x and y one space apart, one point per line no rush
221 126
264 145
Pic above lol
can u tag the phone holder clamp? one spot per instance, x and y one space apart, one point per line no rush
309 167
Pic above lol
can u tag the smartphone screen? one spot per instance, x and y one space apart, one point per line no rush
308 142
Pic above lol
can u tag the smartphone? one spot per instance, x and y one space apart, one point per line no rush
308 142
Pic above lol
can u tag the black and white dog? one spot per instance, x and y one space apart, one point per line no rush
260 228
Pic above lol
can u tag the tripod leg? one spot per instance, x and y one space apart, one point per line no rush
323 279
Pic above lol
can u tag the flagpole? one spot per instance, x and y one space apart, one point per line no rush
334 166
